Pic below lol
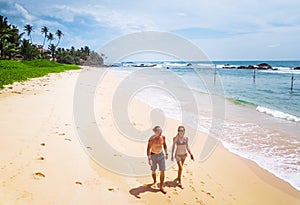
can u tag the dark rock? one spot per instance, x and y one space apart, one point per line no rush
242 67
250 67
227 66
264 66
297 68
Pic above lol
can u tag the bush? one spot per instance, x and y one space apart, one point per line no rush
67 59
12 71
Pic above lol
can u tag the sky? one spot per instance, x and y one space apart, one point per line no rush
223 29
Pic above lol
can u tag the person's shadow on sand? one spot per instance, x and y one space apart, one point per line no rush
147 188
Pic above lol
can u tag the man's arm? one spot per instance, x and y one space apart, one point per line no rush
149 148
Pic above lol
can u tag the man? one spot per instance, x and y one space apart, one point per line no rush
156 144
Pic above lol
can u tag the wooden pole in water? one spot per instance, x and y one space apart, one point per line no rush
292 82
254 74
215 69
215 73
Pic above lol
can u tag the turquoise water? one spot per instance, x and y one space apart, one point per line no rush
271 90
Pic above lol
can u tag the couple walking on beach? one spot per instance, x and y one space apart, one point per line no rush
156 156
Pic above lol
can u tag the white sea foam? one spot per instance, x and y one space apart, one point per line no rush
170 64
279 155
278 114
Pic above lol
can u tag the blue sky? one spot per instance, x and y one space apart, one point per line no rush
224 29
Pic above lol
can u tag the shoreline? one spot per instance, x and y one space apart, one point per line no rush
256 124
241 181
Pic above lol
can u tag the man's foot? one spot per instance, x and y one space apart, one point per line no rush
153 185
163 190
180 185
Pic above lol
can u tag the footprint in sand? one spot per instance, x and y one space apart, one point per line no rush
189 172
117 155
38 175
199 201
175 193
90 148
169 199
67 139
61 134
210 195
40 158
112 189
43 144
192 188
79 183
202 182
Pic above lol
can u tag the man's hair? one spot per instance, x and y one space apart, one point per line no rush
156 128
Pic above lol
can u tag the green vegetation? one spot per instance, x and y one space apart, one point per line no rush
33 59
14 46
13 71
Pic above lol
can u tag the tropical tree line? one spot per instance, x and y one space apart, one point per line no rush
14 46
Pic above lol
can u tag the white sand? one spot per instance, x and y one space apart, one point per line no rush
43 162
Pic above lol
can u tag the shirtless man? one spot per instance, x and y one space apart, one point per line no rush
155 155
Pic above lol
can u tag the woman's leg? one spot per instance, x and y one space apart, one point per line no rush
180 164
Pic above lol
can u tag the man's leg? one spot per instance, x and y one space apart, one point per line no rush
162 168
154 177
162 179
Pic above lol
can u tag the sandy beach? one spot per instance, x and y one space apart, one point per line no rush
42 160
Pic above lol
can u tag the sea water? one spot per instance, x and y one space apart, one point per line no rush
266 126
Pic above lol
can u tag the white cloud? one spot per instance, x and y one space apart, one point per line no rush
271 25
180 14
24 12
106 17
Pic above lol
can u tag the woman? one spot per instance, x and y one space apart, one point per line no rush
182 146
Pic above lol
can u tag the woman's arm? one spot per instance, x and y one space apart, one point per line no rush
188 148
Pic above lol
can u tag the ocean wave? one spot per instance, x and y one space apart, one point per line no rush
173 64
277 114
282 71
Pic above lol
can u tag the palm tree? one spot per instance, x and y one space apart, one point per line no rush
52 49
4 27
28 50
50 38
10 39
28 28
44 31
59 34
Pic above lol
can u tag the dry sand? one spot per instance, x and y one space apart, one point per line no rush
43 162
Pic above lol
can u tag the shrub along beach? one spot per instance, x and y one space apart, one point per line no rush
20 59
12 71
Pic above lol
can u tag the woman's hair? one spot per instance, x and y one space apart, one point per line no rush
181 127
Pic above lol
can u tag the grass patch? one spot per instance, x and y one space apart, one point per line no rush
17 71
